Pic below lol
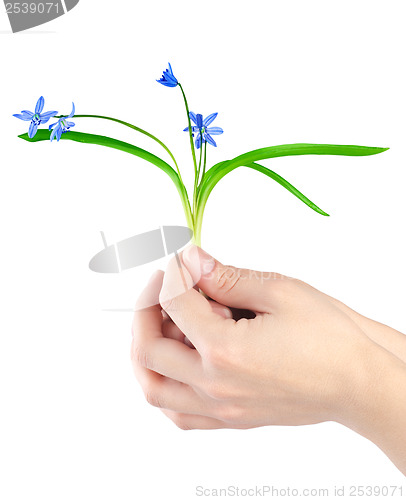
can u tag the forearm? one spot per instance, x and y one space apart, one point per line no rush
392 340
379 411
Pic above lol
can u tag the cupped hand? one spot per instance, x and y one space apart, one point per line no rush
300 360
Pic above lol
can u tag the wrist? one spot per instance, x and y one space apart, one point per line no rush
376 406
364 390
392 340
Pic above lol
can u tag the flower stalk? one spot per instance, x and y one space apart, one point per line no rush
189 128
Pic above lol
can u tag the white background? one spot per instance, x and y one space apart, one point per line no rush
74 422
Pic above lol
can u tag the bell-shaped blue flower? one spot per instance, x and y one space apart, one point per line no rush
37 117
62 125
168 78
202 129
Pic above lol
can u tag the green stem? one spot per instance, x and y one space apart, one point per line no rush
199 206
197 233
195 191
204 163
186 207
138 129
200 158
190 129
184 195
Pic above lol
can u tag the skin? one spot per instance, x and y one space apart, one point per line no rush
300 358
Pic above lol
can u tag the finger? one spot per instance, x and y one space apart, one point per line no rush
152 350
220 309
148 316
164 392
190 311
150 294
231 286
186 421
172 331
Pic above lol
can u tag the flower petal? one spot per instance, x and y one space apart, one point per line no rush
210 139
192 116
168 78
167 83
199 121
46 116
25 115
172 81
40 105
198 141
209 119
214 130
32 130
194 130
70 124
58 133
72 112
53 125
53 132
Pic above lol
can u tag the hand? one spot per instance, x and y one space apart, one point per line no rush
303 359
296 362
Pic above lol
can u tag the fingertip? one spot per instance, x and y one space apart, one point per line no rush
176 281
150 295
221 310
157 276
199 263
228 285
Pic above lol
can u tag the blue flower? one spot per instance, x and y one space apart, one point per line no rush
62 125
36 118
168 78
201 127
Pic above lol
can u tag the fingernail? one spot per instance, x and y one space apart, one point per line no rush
227 313
194 255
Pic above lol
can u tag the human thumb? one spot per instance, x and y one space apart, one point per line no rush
228 285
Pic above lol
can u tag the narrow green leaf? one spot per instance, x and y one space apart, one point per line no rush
134 127
226 168
221 169
287 185
101 140
300 149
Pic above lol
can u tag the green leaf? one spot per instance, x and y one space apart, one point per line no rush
218 171
134 127
295 150
270 173
101 140
287 185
